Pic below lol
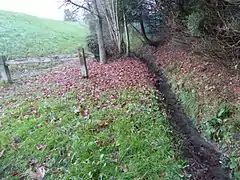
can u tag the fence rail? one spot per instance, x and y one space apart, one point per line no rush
4 70
13 62
5 75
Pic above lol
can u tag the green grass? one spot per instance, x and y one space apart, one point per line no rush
28 36
136 142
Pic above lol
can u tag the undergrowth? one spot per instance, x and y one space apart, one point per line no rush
216 119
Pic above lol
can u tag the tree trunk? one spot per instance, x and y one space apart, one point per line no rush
99 28
111 10
102 50
126 35
147 40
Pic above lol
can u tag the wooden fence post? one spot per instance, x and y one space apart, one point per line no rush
82 58
4 70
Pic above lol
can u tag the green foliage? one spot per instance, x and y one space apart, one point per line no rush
194 22
216 128
92 45
135 143
234 165
28 36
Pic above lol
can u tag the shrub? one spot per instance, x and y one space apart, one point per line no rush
110 46
92 45
194 22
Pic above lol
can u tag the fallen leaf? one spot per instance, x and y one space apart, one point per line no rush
100 143
40 147
39 125
15 173
161 174
55 172
1 153
103 123
81 112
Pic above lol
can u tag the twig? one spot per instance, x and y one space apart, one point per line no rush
81 6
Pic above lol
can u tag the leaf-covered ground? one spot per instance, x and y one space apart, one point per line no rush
210 95
58 126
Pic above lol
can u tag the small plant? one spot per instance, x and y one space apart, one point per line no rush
194 22
216 129
232 162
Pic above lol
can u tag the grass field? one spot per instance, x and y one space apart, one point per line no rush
23 35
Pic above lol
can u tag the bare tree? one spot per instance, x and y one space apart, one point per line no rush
92 7
111 11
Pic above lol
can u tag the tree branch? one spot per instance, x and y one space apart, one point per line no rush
81 6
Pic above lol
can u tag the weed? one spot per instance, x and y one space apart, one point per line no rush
216 127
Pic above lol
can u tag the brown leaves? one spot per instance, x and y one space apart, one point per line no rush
33 162
57 171
208 77
84 113
161 175
125 72
15 173
40 147
121 73
15 140
100 143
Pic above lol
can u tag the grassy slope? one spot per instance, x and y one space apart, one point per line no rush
28 36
